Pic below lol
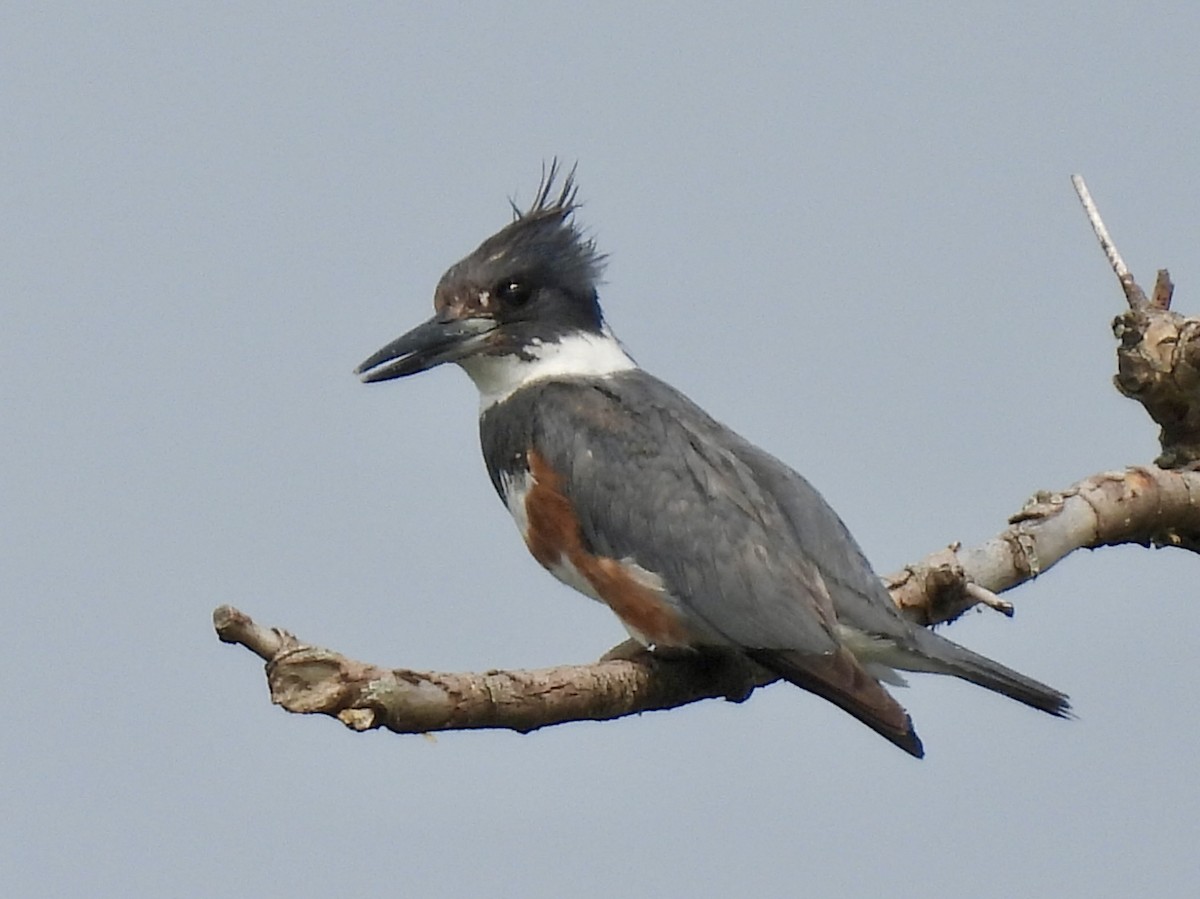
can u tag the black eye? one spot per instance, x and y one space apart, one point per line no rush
514 292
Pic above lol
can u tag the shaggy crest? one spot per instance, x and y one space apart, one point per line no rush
547 231
562 206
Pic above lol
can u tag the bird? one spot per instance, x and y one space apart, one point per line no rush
624 489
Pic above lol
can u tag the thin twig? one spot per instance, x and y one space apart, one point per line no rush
235 626
1163 290
989 599
1133 293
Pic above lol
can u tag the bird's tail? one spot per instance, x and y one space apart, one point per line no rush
971 666
839 678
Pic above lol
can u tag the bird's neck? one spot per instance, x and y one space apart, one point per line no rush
579 354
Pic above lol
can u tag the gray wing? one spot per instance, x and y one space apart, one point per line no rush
862 603
859 598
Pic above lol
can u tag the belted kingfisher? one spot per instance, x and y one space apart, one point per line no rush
626 490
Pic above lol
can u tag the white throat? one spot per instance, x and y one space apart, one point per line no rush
575 355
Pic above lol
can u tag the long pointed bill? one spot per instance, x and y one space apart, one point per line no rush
428 344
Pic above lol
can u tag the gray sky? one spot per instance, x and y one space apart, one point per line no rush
847 232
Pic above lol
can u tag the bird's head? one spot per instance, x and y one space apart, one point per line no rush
529 285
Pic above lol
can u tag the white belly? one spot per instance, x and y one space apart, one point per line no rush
516 488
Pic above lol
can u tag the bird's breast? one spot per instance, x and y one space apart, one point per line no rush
545 529
550 525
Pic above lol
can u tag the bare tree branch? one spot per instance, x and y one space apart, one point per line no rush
629 680
1158 360
1148 506
1145 505
1158 365
1133 293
